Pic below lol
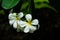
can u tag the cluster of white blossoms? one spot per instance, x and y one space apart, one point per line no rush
28 25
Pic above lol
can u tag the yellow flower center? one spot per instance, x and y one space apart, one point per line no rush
29 23
16 18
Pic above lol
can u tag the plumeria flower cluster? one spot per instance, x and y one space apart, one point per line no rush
28 25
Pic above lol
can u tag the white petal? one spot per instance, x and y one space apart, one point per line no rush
22 23
35 22
11 16
11 22
32 28
14 14
28 17
26 30
20 15
15 25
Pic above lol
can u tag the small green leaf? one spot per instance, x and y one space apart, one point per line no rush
7 4
24 5
35 1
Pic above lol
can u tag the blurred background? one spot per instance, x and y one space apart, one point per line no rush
49 21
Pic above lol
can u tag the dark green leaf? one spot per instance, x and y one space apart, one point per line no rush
2 12
0 0
43 5
7 4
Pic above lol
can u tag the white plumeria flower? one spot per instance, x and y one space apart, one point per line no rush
30 26
14 19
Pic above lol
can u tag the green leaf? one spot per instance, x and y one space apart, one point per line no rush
35 1
7 4
24 5
43 5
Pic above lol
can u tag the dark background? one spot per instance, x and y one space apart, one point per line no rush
49 22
